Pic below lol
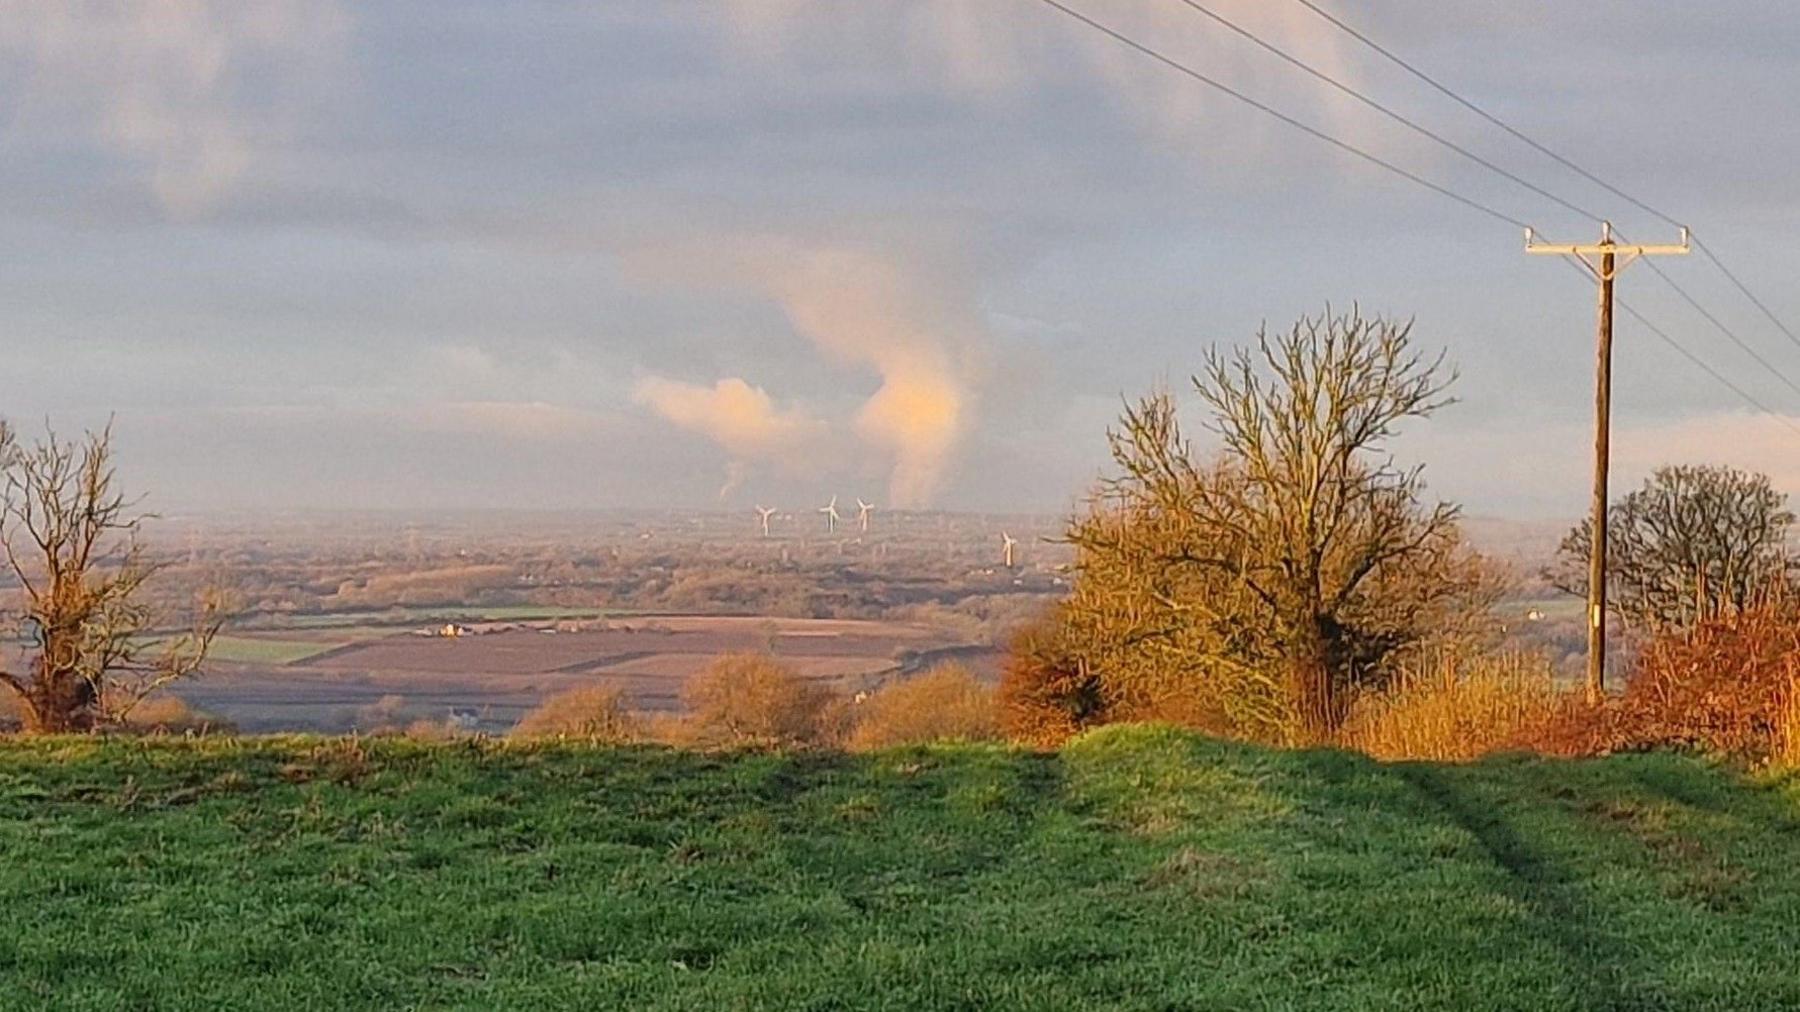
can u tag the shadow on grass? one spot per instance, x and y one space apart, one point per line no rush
1684 783
977 812
1719 791
1541 886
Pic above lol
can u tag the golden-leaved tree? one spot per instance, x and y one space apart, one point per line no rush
1257 589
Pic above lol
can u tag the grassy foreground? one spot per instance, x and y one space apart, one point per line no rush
1141 868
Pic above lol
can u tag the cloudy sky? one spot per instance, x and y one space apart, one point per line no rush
715 252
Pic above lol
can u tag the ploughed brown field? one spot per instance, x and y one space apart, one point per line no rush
337 679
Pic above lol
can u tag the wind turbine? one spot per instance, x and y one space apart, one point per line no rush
862 514
831 515
1007 544
765 513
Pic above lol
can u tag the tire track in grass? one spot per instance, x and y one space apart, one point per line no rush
1548 890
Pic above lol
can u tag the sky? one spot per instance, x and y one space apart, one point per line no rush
712 253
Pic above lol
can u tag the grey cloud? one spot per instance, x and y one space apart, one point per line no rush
439 214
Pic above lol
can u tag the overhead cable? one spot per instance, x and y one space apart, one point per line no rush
1269 110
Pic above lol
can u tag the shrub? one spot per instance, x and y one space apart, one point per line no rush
751 700
589 712
1573 727
163 714
385 714
1046 695
946 703
672 729
168 714
1195 708
1725 687
426 729
1452 707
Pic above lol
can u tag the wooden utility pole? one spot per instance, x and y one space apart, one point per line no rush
1604 261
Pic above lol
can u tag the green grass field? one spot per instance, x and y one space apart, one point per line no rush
1138 869
258 650
268 647
386 620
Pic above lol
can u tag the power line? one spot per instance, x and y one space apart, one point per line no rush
1473 204
1269 110
1695 360
1722 328
1397 117
1709 370
1720 264
1404 120
1484 114
1719 324
1566 162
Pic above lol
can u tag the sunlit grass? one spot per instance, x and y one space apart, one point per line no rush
255 650
1140 868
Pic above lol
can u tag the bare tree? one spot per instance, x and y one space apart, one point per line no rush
1293 568
71 541
1692 542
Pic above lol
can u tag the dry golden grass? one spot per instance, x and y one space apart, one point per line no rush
671 729
425 729
946 703
1455 708
1786 753
589 713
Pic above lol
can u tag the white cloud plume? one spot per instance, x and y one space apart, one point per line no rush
164 84
867 310
741 418
909 319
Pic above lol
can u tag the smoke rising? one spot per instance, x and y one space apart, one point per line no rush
741 418
865 310
914 327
